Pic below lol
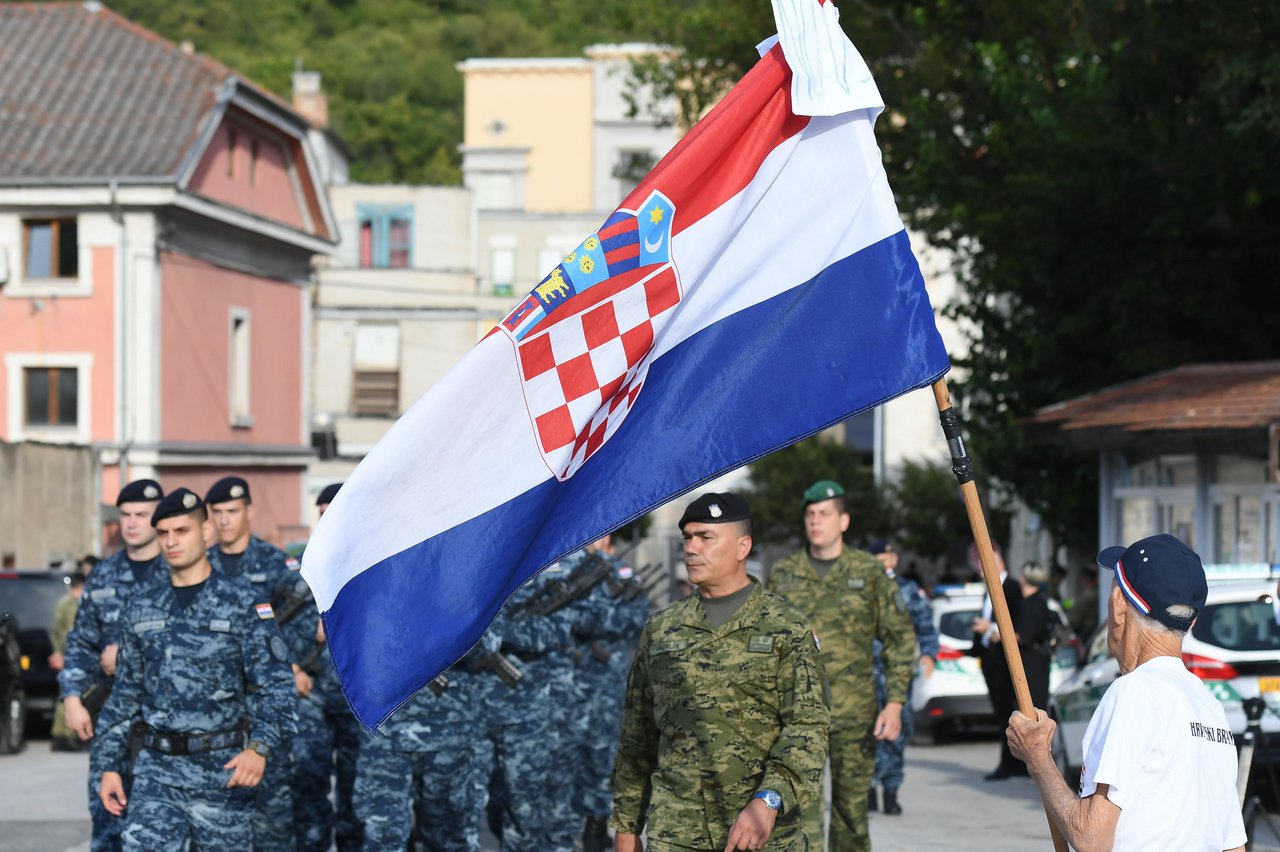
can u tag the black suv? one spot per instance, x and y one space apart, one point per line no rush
32 597
13 698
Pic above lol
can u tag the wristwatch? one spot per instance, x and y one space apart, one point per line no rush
259 747
772 799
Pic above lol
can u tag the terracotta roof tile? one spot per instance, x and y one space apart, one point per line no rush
1235 396
85 93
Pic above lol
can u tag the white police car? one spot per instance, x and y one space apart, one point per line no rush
1234 647
955 697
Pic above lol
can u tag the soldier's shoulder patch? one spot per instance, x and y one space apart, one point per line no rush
292 564
278 649
669 646
760 643
264 611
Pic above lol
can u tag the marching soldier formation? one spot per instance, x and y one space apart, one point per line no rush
201 681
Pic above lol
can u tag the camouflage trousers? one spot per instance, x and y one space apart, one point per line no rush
107 827
852 752
796 843
325 750
440 788
161 818
605 689
517 766
273 808
890 755
568 732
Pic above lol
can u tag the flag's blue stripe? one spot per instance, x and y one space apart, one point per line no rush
858 334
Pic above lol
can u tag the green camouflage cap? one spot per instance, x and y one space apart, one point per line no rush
823 489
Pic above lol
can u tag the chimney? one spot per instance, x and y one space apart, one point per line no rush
309 98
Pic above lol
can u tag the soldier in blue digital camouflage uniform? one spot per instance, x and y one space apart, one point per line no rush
273 575
424 764
602 679
890 753
192 651
326 748
90 659
589 613
516 746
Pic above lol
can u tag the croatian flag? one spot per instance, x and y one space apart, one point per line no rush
755 288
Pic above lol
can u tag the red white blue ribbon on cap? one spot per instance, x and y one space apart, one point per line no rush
1134 597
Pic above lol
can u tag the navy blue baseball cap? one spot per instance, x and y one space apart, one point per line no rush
1156 573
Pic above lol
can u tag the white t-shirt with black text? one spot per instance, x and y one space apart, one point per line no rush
1161 741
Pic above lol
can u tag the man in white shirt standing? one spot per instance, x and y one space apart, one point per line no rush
1159 759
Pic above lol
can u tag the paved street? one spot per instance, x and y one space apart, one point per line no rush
948 805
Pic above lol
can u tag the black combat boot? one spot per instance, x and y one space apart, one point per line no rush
595 836
891 806
872 804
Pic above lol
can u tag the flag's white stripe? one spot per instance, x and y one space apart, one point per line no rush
725 266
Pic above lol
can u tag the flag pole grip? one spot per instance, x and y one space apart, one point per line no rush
962 467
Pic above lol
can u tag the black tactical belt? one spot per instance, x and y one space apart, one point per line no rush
173 743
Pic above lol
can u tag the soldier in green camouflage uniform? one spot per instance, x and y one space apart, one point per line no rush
724 733
850 601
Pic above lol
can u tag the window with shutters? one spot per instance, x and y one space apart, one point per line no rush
375 386
386 236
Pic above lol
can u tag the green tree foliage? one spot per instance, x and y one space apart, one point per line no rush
930 518
389 66
780 480
1103 171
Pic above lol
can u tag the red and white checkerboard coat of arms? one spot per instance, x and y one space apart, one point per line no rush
584 335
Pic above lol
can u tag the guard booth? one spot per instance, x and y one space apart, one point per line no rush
1193 451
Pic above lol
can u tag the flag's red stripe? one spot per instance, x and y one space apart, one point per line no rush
722 153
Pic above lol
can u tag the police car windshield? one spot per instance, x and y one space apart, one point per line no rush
1239 626
958 623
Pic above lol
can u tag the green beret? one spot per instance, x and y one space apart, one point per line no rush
823 489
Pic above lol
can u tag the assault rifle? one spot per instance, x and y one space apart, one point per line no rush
499 664
291 605
95 697
558 594
310 663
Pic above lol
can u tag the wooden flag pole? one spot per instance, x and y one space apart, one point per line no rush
963 470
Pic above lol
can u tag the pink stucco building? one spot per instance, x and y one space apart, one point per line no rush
158 220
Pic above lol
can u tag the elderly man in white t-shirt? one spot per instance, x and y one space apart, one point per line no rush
1159 760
